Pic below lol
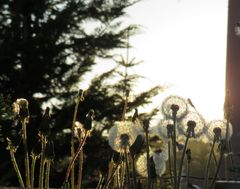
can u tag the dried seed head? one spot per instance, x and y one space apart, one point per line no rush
20 109
218 133
78 130
174 106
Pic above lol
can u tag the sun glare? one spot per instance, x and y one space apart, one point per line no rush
183 45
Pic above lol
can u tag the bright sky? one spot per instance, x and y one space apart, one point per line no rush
183 44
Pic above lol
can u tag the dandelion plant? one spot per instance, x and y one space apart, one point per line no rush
20 108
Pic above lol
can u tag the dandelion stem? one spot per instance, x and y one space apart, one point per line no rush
100 181
174 153
15 165
170 162
127 168
134 173
75 157
80 169
72 141
122 171
148 161
34 158
216 173
188 173
26 158
208 165
181 161
47 173
109 179
41 173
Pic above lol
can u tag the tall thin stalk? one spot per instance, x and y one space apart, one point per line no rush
146 127
26 157
206 175
80 169
188 173
127 169
79 99
47 174
189 159
223 146
170 162
42 163
34 158
181 161
134 173
15 165
174 150
75 157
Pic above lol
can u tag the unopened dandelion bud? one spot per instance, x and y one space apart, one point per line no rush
89 120
44 127
179 146
146 124
135 115
135 148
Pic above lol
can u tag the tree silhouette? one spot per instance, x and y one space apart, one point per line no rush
46 48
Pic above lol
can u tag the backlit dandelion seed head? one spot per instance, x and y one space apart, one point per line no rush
215 125
141 165
163 151
192 117
176 103
164 129
122 135
159 162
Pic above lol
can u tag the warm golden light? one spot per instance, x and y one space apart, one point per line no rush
183 44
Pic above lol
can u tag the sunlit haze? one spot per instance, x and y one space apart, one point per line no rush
182 44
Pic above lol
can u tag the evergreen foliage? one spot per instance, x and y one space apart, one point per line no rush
46 49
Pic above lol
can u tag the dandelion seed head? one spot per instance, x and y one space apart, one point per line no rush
141 165
165 128
160 163
219 128
192 122
174 103
122 135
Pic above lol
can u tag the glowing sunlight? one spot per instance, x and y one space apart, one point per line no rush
183 45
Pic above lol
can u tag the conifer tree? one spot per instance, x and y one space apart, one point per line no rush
46 48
